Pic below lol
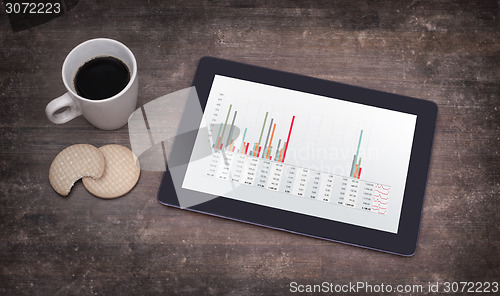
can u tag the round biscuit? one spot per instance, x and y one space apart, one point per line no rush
73 163
121 173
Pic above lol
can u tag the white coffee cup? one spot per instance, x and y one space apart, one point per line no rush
107 114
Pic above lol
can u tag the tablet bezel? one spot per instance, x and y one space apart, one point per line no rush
402 243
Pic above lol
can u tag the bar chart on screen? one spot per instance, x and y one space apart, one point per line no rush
302 152
296 151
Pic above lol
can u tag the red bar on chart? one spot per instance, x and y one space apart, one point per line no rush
288 139
233 148
359 173
221 145
258 153
246 150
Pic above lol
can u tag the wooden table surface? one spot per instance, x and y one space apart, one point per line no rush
444 51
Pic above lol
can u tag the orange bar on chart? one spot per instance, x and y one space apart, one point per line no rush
272 135
255 149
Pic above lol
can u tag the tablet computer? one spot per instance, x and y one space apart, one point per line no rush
304 155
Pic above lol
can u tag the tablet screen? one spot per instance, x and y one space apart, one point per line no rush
304 153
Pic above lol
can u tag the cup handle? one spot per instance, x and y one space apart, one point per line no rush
65 101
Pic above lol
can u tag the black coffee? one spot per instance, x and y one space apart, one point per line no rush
101 78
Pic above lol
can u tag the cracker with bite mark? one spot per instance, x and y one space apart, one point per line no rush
73 163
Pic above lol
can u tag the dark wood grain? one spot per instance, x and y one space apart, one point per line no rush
444 51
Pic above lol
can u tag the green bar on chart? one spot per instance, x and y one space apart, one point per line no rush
357 153
243 141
